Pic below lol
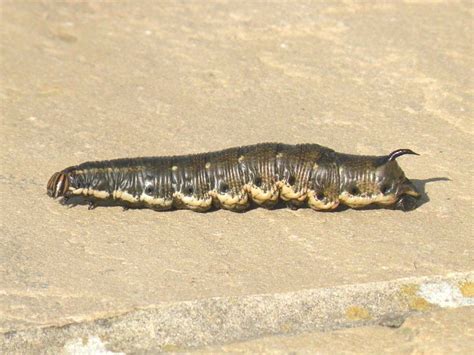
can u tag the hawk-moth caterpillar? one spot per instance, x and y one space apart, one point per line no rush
303 174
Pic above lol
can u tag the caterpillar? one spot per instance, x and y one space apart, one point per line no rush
235 178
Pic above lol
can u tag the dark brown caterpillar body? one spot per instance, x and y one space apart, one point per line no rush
233 178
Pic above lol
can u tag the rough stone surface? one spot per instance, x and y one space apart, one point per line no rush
178 326
434 333
91 81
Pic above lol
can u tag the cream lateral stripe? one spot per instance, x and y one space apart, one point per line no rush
359 201
161 202
90 192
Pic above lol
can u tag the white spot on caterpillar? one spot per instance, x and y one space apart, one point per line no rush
174 168
208 165
241 159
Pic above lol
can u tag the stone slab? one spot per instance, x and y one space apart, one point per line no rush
180 326
90 81
449 331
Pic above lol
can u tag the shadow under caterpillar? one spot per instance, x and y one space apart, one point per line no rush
304 174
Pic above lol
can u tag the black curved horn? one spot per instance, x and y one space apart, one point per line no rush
399 152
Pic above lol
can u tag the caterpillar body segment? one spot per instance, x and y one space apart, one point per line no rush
233 179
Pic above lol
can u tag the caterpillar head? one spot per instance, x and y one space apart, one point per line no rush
61 183
58 184
377 180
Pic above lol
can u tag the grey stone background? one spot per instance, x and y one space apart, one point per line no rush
89 81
